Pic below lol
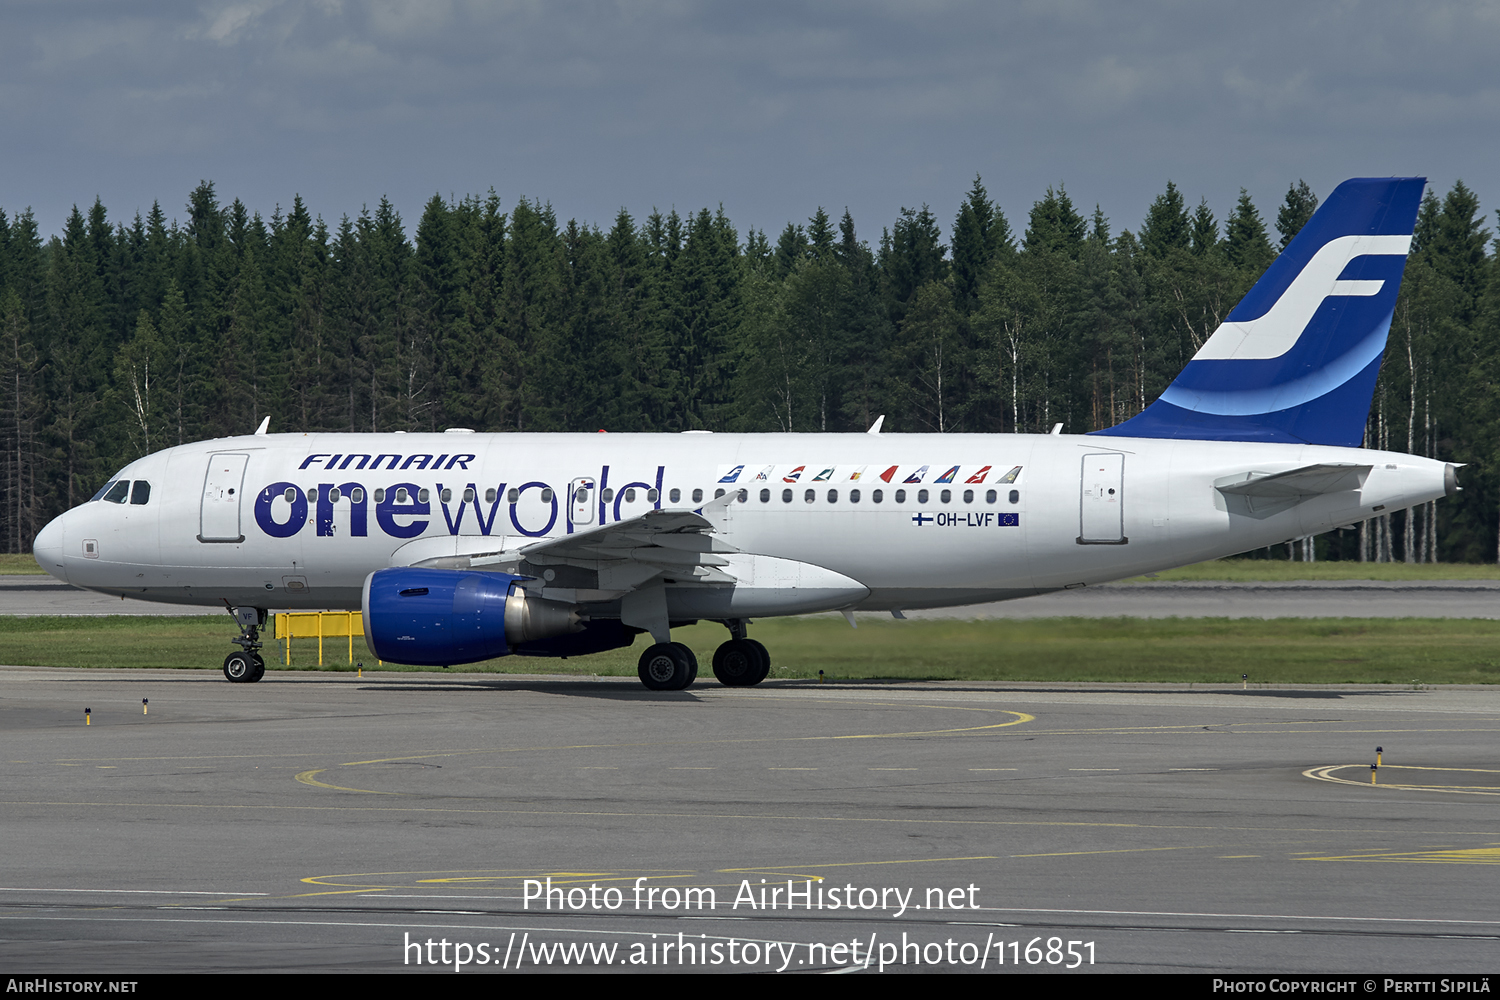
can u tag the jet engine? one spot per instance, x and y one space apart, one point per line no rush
438 617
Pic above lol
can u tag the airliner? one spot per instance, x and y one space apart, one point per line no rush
461 546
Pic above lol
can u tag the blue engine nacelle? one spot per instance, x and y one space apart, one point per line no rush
442 617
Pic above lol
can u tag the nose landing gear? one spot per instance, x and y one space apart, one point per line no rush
246 666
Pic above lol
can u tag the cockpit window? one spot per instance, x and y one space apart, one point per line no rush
102 490
118 492
140 493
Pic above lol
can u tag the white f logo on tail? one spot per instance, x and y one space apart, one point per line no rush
1275 333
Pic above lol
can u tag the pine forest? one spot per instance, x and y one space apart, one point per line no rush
122 337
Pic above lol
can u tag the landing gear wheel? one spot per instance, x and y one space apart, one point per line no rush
664 667
260 669
764 670
737 663
692 659
239 668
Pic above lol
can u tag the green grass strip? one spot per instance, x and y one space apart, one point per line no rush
1173 650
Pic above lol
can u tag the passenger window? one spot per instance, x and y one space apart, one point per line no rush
901 496
379 495
422 495
1015 496
878 496
446 495
290 494
118 492
335 495
810 496
854 496
989 496
402 496
513 495
744 496
833 496
697 496
489 495
469 495
922 496
786 496
675 496
357 495
630 495
312 495
546 495
968 496
653 496
140 493
946 496
765 496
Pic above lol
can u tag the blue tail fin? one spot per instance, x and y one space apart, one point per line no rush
1296 360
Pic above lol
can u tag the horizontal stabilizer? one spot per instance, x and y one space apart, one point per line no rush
1310 480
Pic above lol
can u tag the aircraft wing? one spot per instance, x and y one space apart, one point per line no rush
676 544
1310 480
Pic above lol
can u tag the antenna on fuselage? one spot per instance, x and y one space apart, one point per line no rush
264 426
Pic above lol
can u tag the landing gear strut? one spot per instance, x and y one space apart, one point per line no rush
741 662
246 666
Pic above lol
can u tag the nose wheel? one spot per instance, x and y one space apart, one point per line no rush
246 666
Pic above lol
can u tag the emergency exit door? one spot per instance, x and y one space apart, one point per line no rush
1102 500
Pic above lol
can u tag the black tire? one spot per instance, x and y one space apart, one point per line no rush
764 670
663 667
260 668
692 659
737 663
239 668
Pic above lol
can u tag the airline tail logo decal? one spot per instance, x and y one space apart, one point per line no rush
823 476
978 477
916 477
854 476
733 474
794 475
885 476
947 477
764 474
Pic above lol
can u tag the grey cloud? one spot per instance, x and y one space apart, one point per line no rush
771 108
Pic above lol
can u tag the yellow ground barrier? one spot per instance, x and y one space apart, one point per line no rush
320 625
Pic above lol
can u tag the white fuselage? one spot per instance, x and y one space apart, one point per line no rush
1054 525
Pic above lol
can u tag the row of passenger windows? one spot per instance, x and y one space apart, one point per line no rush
513 495
115 493
120 490
854 496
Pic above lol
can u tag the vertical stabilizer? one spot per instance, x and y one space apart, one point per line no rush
1296 360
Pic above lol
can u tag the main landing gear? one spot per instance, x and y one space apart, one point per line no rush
246 666
740 662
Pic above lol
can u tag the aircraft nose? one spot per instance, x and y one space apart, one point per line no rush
47 550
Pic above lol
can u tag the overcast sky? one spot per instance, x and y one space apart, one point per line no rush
771 108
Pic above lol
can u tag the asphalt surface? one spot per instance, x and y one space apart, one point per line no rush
42 595
329 823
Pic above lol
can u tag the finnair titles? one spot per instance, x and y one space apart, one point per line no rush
459 547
